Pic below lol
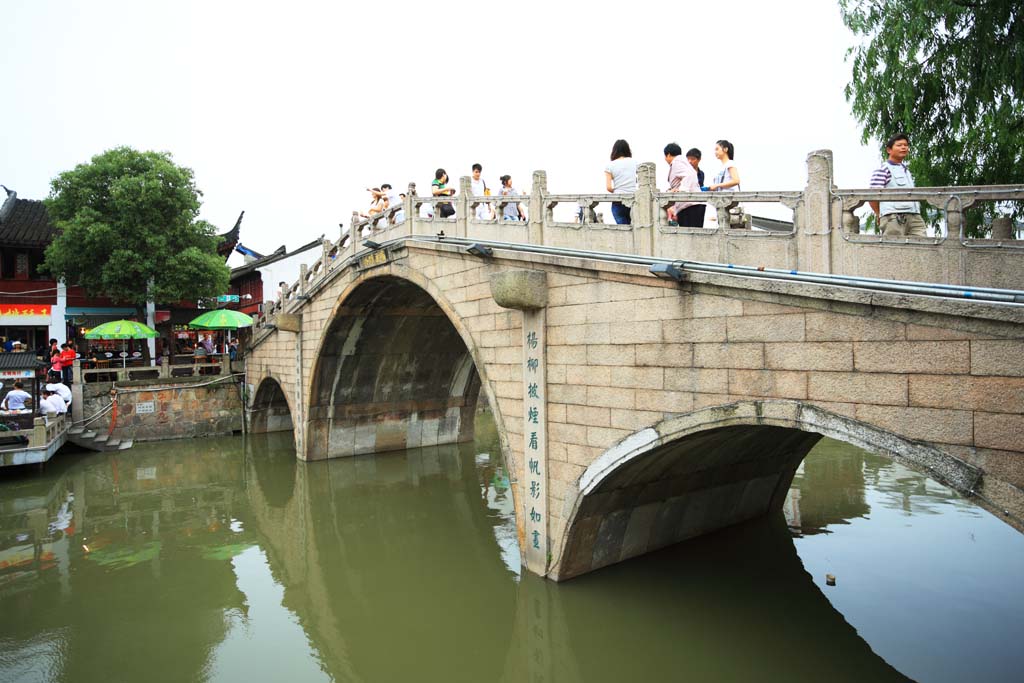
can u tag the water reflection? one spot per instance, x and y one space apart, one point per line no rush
229 559
831 489
923 574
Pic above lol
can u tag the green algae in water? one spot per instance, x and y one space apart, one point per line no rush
121 558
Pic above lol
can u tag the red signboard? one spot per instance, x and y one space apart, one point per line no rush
25 309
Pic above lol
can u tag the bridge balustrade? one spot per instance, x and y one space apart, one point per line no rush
163 370
951 203
825 237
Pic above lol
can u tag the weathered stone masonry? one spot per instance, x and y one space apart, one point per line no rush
177 408
630 358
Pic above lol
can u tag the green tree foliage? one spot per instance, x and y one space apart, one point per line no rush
128 218
949 73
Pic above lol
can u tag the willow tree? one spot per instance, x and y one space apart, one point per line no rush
128 229
950 74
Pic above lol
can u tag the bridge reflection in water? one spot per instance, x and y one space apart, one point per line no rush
223 561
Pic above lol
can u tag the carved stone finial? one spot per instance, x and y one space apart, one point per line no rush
540 181
819 165
645 174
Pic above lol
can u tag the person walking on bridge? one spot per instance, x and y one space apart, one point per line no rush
899 218
682 178
620 178
693 158
439 188
729 177
513 211
392 200
484 211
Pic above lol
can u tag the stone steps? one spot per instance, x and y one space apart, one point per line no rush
94 441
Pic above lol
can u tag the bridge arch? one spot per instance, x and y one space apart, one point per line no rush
395 368
270 410
711 468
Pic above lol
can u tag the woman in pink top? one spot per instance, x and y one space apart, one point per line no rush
56 367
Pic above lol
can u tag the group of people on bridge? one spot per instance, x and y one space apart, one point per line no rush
385 197
684 175
897 218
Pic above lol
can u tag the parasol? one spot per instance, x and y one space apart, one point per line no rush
122 329
222 319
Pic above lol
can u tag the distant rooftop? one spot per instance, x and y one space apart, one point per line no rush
279 254
229 239
24 222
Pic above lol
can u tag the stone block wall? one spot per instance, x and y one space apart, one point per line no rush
181 408
626 351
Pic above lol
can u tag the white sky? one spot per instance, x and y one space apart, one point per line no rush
290 110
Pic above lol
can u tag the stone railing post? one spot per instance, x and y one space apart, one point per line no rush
76 371
325 255
1002 228
812 220
165 367
303 274
538 212
462 207
353 232
643 215
954 217
38 436
408 207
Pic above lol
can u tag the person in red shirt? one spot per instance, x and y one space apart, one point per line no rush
67 360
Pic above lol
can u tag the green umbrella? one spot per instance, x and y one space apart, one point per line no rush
122 329
221 319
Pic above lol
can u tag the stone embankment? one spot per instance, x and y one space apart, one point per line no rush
157 410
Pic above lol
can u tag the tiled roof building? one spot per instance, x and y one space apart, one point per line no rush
24 222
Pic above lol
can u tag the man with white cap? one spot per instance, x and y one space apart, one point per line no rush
61 390
52 403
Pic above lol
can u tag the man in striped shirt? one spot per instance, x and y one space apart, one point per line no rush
899 218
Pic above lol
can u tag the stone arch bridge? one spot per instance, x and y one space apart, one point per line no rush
640 401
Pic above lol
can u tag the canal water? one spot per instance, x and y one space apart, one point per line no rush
228 560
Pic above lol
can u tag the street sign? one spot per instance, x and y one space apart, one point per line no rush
227 299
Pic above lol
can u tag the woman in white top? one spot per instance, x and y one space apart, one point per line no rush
620 177
729 177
